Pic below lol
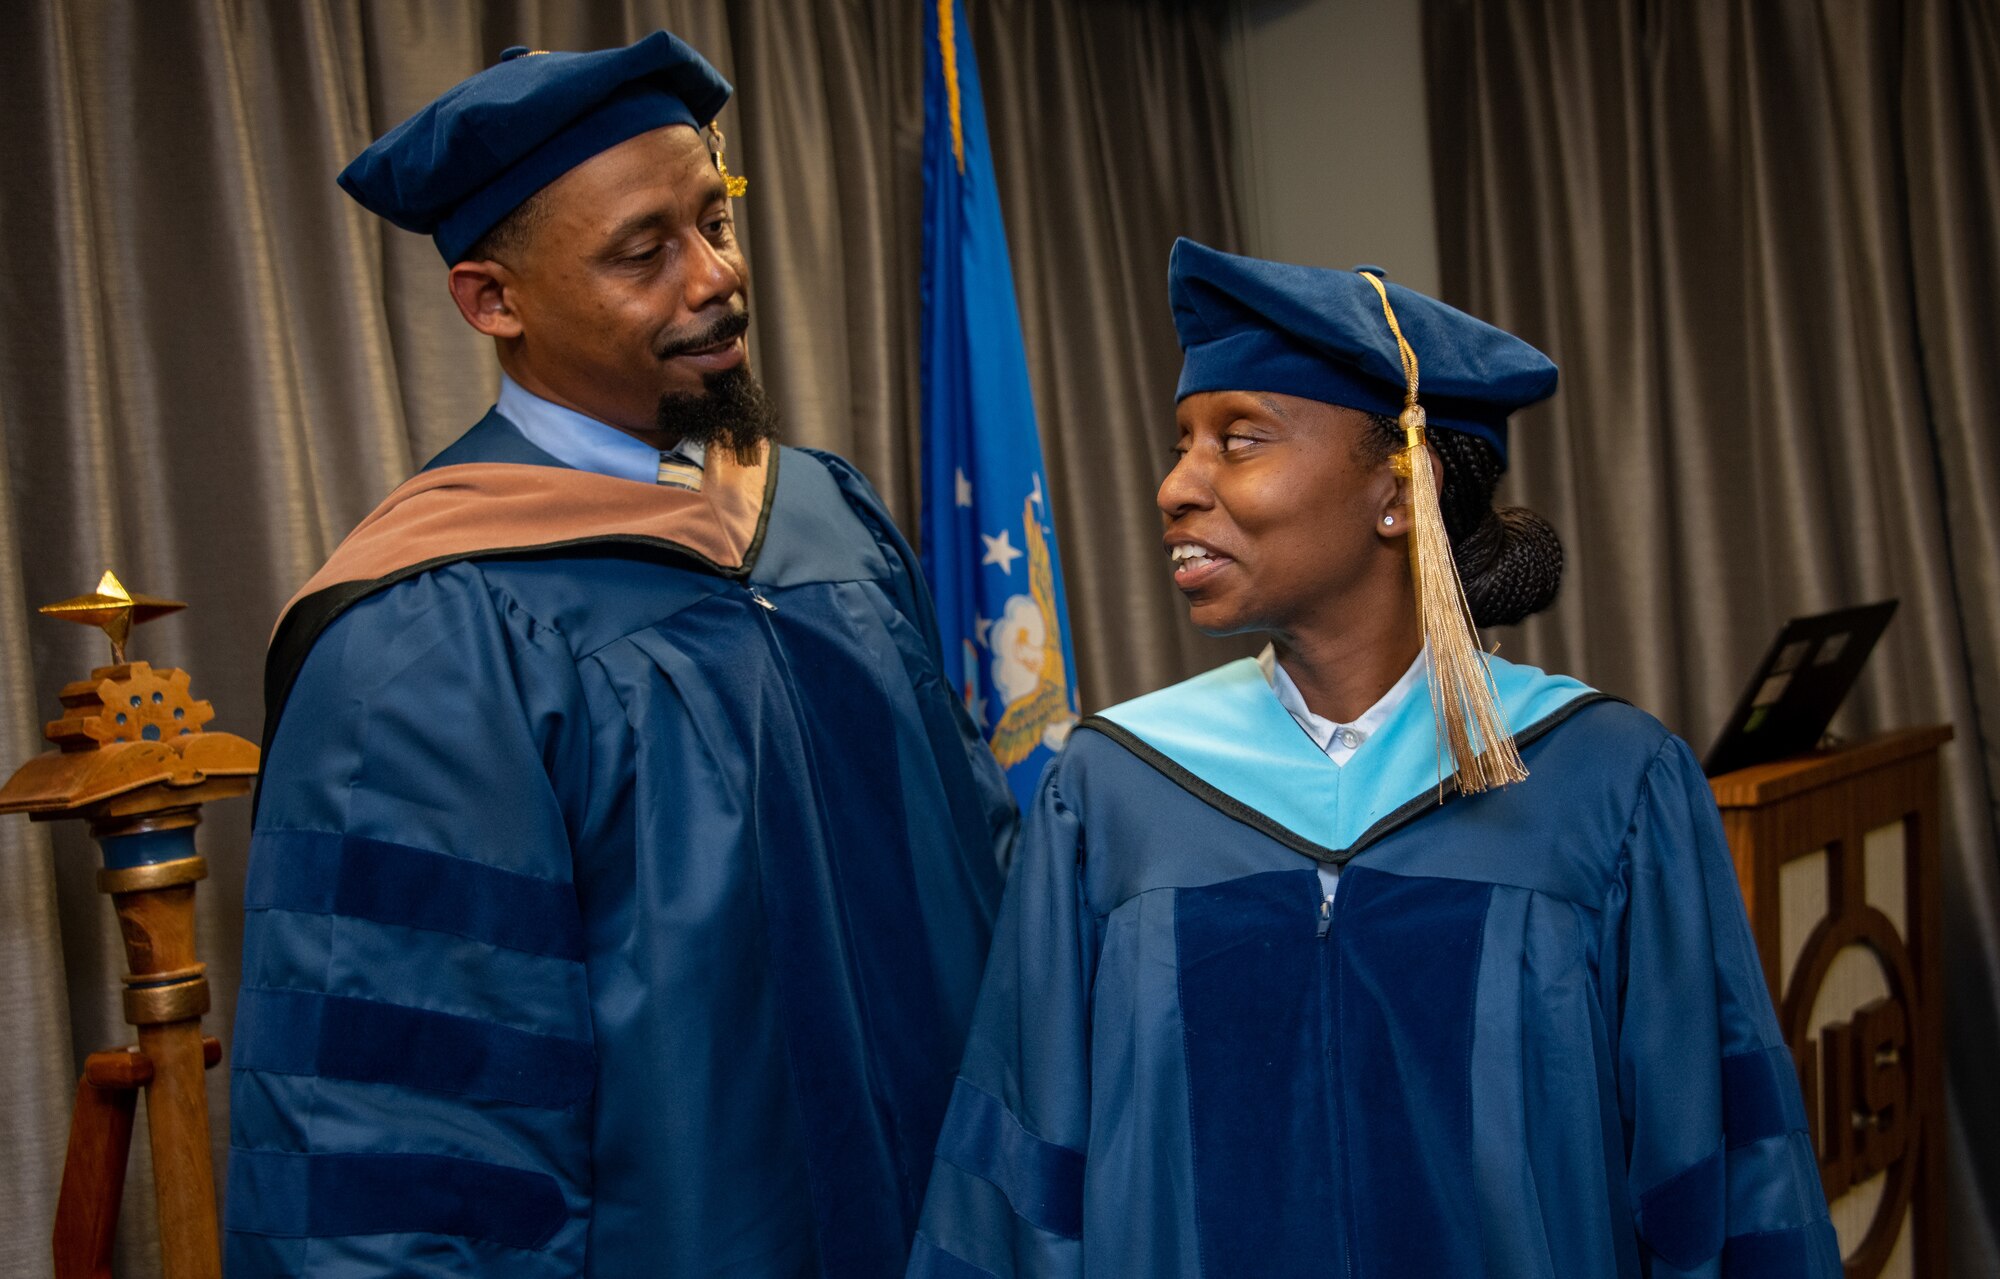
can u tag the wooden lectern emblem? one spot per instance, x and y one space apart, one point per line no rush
1837 854
134 760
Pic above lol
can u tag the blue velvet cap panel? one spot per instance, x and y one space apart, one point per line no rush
633 112
1250 325
456 168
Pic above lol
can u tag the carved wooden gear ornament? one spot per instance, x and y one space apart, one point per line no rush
129 727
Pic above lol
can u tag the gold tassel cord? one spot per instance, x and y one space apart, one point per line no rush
734 185
1464 699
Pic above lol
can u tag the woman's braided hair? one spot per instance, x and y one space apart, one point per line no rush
1509 558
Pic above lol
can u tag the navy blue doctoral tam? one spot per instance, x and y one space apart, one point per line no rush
1250 325
458 167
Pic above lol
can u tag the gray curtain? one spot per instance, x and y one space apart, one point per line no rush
212 364
1759 238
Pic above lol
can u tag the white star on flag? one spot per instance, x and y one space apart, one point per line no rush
964 486
980 627
1000 550
1036 496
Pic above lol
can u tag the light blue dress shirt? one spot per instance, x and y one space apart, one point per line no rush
583 442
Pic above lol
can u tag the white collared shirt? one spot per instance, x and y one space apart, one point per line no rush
1339 741
583 442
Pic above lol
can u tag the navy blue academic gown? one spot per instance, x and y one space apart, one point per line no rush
611 912
1527 1036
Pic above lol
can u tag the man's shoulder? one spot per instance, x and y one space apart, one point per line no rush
459 598
491 439
568 602
817 475
826 524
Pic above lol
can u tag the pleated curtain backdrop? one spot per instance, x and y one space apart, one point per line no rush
212 364
1759 238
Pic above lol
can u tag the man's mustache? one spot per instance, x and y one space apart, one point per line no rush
733 325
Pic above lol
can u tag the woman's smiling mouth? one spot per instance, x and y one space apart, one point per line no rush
1195 563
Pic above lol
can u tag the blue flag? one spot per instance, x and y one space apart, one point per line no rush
989 541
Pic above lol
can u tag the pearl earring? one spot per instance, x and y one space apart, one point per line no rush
1388 519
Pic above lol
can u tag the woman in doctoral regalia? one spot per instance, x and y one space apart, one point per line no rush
1374 957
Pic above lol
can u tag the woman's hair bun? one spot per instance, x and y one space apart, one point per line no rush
1509 558
1511 565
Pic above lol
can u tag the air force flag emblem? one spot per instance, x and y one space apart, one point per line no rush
989 542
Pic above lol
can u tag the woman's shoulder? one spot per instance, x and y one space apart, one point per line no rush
1599 751
1603 721
1546 708
1625 738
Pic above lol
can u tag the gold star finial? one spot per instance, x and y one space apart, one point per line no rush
114 610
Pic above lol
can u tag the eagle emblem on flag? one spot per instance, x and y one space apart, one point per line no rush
1028 665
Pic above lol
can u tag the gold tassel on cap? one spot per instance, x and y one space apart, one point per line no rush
734 185
1463 696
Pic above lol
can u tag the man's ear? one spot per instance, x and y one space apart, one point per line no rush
484 291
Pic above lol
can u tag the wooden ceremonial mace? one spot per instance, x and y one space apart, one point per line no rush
132 760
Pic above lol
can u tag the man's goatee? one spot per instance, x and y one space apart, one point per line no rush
733 412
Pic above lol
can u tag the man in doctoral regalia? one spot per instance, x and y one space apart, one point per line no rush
623 866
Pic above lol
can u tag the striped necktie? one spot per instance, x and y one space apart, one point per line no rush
678 470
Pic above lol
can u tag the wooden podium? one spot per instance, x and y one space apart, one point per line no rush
1837 853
